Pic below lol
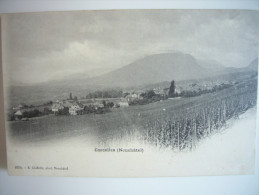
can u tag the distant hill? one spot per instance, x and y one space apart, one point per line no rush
211 65
153 69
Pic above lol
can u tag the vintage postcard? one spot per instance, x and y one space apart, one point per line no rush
130 93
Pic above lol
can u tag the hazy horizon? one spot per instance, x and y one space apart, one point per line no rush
53 45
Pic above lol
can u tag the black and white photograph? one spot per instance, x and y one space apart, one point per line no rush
130 93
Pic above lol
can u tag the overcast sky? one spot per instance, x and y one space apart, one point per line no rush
44 46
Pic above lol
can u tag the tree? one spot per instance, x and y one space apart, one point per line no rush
32 113
64 111
125 94
110 104
90 96
150 94
104 103
46 110
70 96
171 92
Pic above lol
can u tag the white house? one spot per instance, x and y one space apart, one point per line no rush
123 103
98 105
131 97
56 107
75 108
18 115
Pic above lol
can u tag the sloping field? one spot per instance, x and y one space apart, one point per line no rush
176 123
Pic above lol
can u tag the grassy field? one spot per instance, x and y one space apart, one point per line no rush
166 122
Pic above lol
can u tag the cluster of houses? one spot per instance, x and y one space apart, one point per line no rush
133 96
200 86
18 111
74 107
161 91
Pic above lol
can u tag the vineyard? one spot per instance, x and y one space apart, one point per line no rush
184 128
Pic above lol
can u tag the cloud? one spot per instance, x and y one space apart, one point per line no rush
47 46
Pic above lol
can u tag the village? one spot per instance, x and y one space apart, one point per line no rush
97 104
101 102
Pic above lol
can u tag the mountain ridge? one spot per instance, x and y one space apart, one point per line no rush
153 69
